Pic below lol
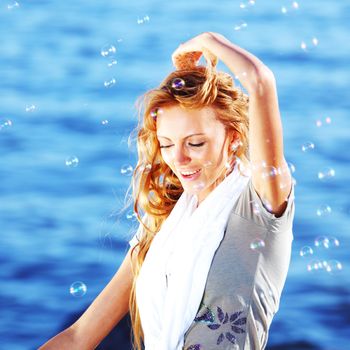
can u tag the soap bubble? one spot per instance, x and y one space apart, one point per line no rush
5 124
257 244
240 25
323 210
78 289
326 174
306 251
108 50
112 63
104 122
13 5
143 20
72 161
109 83
321 242
131 215
333 266
127 170
178 84
30 108
247 4
315 265
307 146
256 207
333 242
269 172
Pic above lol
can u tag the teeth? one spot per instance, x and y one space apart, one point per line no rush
190 173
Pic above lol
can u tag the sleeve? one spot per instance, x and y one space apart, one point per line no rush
251 207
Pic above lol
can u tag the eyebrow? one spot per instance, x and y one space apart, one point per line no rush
184 137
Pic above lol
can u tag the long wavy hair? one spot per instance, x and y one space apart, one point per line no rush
155 188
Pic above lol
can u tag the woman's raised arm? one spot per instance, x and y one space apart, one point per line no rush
104 313
270 174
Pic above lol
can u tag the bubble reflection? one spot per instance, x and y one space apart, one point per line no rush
326 174
5 124
78 289
72 161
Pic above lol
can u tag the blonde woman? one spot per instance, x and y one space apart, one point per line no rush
215 200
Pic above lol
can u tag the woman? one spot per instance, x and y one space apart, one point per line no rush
207 266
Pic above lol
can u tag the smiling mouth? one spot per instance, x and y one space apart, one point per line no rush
191 176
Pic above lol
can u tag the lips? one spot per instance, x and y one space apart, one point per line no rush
192 176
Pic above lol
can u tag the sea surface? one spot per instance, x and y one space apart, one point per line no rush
66 113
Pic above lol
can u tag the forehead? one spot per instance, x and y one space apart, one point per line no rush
179 122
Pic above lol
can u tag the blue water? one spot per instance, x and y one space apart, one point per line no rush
60 224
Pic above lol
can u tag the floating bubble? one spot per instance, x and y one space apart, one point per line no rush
72 161
178 84
244 168
240 25
13 5
269 172
315 41
306 251
127 170
5 124
146 167
293 6
78 289
154 113
321 242
143 20
333 266
247 4
333 242
104 122
112 63
307 146
30 108
256 207
131 215
108 50
323 210
328 120
315 265
318 123
109 83
326 174
257 244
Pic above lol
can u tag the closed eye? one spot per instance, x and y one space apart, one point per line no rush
191 144
197 144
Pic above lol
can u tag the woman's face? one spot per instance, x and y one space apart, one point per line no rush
193 141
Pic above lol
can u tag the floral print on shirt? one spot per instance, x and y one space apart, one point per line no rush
229 325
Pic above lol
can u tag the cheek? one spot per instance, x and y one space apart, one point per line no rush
166 155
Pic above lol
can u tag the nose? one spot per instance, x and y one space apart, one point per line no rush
180 156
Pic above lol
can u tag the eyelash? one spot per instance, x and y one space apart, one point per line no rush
191 144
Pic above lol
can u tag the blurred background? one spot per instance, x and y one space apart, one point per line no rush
70 73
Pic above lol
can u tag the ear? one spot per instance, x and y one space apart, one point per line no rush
235 142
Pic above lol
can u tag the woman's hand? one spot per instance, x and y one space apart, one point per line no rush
188 54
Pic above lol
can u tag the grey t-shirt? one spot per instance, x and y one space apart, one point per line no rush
246 278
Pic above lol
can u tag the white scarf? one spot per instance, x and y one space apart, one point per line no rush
172 278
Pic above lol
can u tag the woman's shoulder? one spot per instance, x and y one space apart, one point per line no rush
251 207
